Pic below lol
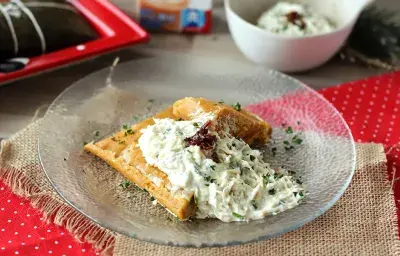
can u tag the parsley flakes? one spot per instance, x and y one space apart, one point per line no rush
237 106
237 215
125 184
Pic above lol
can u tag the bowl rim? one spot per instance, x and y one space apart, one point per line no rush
347 26
147 238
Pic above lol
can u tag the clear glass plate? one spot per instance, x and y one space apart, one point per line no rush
325 160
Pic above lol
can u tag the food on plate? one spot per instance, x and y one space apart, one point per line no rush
194 159
292 19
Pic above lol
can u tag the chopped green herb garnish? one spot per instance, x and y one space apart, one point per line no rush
96 133
121 142
273 151
213 180
113 139
292 172
272 192
125 184
237 215
266 178
180 119
196 125
207 178
253 202
289 130
84 143
252 158
286 142
237 106
151 100
298 123
152 198
125 127
221 101
212 167
129 132
295 193
196 200
299 182
301 193
298 141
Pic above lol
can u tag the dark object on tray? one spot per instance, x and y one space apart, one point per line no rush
34 27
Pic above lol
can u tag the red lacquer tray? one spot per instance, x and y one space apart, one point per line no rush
115 30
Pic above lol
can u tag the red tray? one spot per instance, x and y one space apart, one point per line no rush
115 30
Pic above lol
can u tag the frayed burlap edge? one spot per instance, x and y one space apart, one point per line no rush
54 209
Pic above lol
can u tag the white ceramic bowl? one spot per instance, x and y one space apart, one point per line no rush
286 53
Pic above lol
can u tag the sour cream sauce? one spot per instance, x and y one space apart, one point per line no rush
241 187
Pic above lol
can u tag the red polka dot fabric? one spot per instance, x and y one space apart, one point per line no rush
370 107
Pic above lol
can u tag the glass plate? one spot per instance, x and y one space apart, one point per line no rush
325 160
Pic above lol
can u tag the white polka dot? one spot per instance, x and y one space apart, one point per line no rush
62 233
83 250
371 103
8 200
80 47
42 238
333 99
41 218
364 86
374 135
383 106
15 233
22 243
28 215
393 116
396 109
29 236
9 241
2 209
16 252
362 92
2 230
1 188
56 242
378 125
355 112
21 203
350 89
35 227
359 140
373 95
390 129
379 120
362 132
367 116
347 96
50 252
357 106
387 91
359 99
345 102
385 98
22 224
369 110
69 246
36 247
8 221
343 108
388 134
381 113
48 230
351 123
335 92
391 122
15 212
3 248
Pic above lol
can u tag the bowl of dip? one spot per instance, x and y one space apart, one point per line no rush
291 36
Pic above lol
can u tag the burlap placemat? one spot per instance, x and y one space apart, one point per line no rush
363 222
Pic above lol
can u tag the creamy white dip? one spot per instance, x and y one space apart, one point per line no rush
241 187
294 20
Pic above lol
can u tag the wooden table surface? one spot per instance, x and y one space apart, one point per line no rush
20 100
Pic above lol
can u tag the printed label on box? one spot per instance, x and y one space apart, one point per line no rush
193 16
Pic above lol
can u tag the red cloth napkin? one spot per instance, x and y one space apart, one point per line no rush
370 107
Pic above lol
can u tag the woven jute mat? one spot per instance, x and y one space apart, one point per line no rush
362 222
